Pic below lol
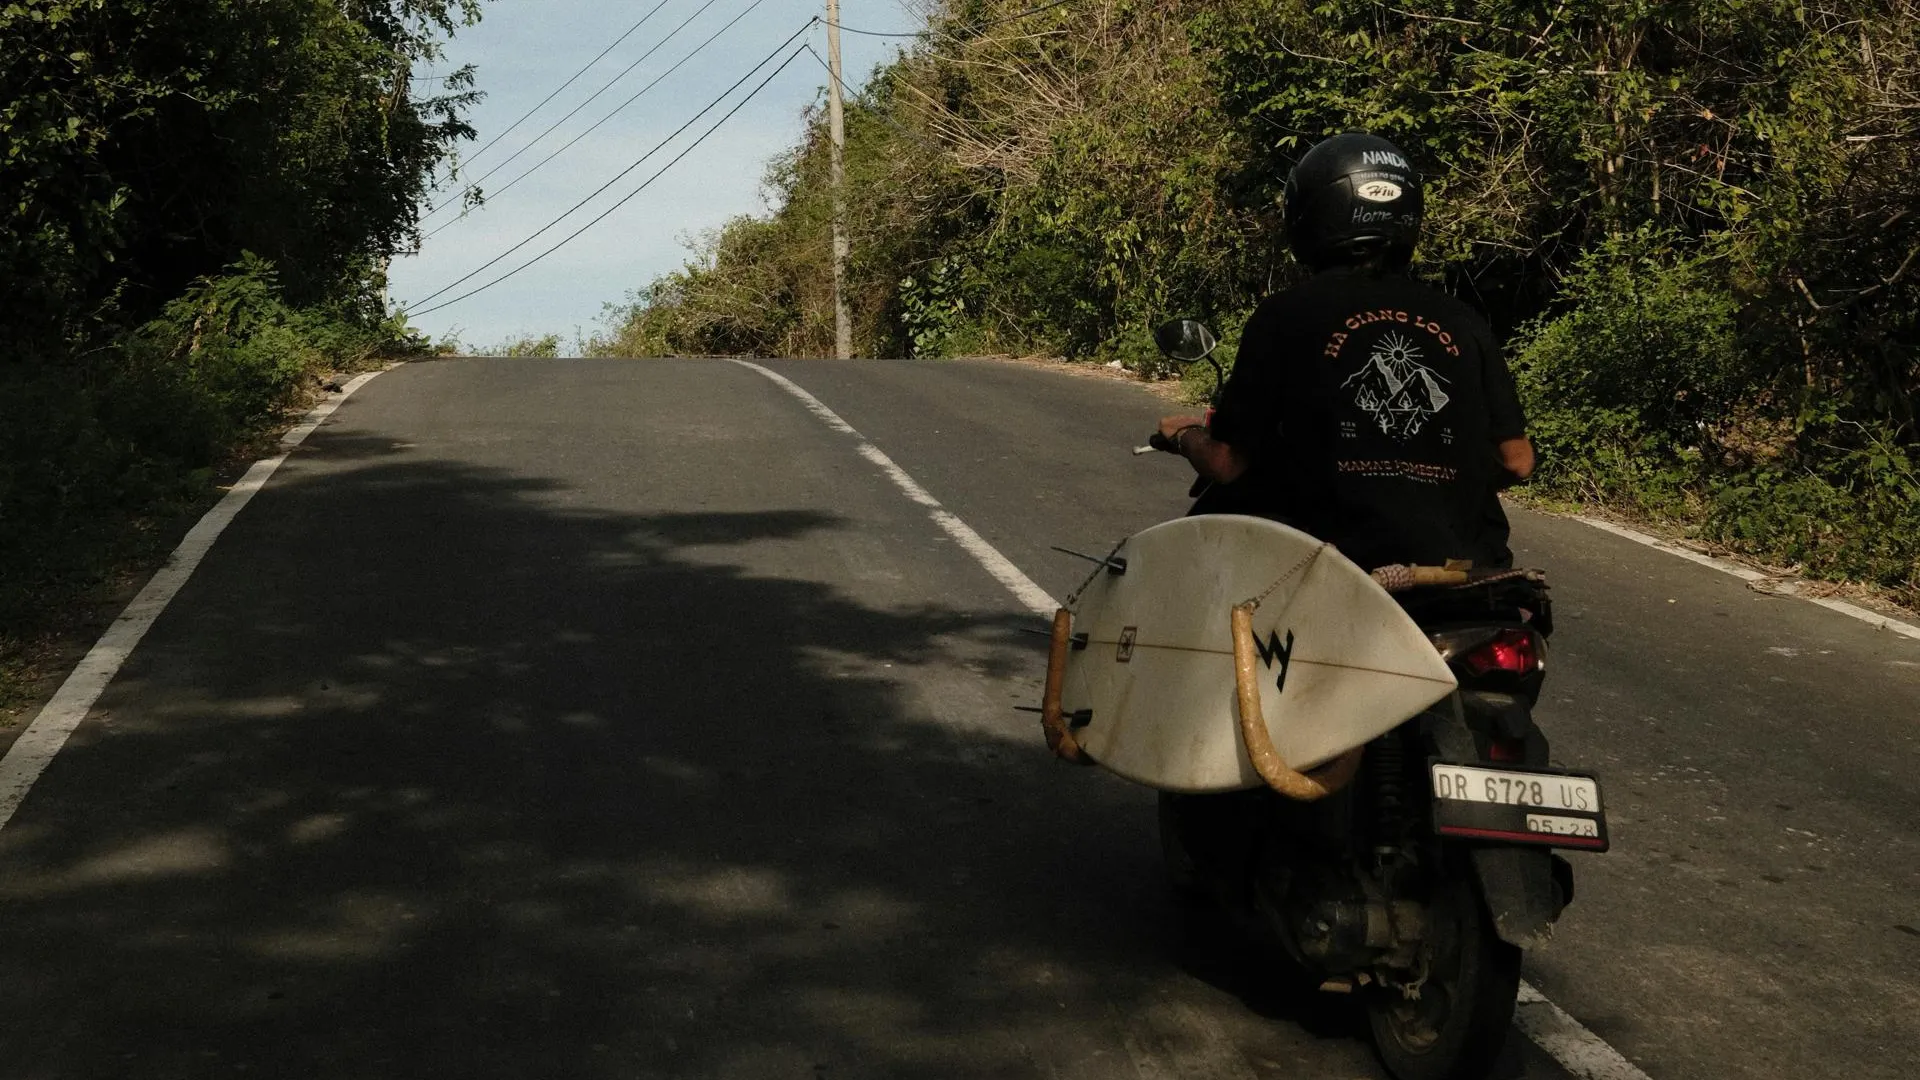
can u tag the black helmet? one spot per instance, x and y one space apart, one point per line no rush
1350 199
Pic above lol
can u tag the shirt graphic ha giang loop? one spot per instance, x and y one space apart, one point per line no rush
1394 384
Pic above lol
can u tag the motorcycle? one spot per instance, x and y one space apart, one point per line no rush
1419 884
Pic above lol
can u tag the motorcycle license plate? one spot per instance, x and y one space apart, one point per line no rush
1518 806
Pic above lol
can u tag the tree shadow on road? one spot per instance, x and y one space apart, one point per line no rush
434 771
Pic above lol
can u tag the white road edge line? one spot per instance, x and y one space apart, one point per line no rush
1748 574
30 754
1579 1051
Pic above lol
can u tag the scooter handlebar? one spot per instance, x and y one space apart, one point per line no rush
1157 442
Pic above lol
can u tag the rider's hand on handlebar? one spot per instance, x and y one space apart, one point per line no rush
1170 425
1168 437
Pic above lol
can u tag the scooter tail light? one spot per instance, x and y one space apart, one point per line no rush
1514 651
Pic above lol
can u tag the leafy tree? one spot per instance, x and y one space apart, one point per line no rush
197 202
151 143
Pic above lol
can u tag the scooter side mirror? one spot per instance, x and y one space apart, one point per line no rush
1185 341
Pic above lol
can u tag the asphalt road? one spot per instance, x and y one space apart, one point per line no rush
616 719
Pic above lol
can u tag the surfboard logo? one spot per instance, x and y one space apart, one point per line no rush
1271 650
1123 653
1396 389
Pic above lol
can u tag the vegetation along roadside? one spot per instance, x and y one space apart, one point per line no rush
200 200
1694 221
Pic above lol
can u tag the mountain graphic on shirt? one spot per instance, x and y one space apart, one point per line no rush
1399 392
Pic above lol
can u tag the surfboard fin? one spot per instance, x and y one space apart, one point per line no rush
1115 564
1076 719
1077 641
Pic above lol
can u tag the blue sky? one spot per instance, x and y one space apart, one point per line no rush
523 49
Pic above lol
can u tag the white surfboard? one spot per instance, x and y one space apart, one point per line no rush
1341 662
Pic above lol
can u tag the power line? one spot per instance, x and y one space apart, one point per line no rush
671 34
878 33
971 26
881 114
697 50
603 215
791 57
808 25
608 85
878 114
570 80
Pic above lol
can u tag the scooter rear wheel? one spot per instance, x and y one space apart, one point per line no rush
1183 872
1457 1027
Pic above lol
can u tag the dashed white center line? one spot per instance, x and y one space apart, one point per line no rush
1002 569
1578 1050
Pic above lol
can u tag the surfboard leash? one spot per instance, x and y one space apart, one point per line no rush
1305 562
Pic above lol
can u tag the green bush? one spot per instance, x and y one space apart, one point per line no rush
933 310
545 347
1049 292
98 442
1133 346
1647 392
229 352
1629 387
1841 512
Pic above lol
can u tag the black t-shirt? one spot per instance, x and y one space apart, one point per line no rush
1370 408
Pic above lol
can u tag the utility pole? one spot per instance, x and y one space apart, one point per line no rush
837 133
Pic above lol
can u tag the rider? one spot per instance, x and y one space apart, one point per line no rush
1364 408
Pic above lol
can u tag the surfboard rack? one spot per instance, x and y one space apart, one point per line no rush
1054 721
1398 578
1278 775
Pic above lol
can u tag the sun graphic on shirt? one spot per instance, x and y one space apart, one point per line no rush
1397 391
1397 351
